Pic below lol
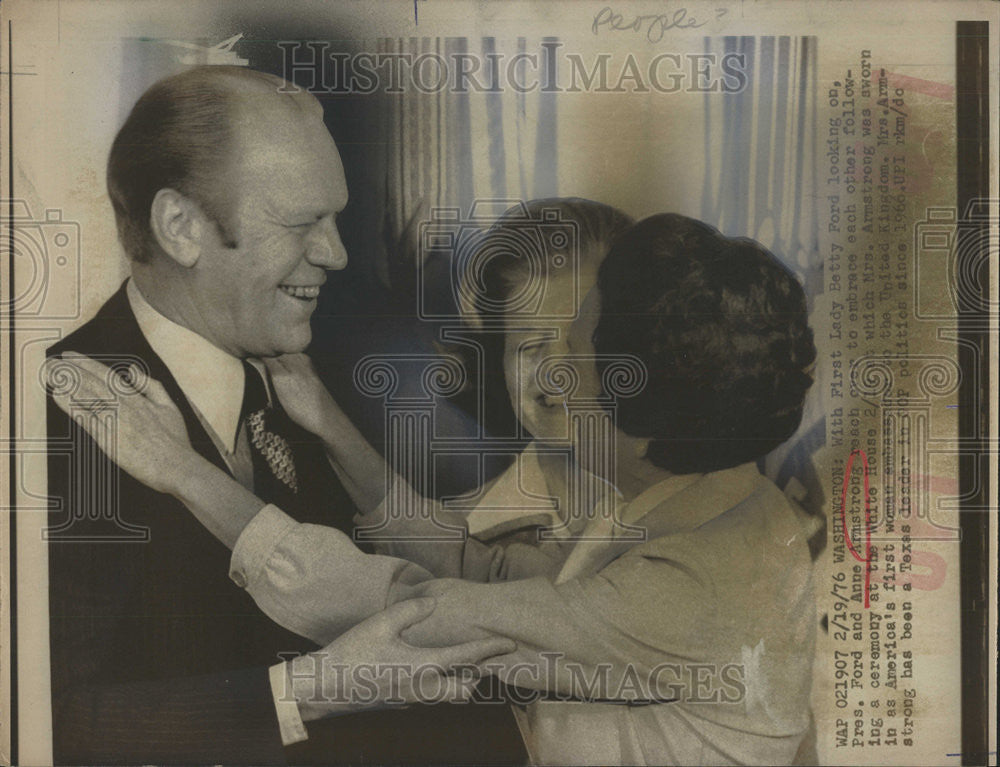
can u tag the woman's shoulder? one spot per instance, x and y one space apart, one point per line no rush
752 533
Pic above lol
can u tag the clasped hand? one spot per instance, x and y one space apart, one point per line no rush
371 666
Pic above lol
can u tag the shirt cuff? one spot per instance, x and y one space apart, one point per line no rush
256 542
290 724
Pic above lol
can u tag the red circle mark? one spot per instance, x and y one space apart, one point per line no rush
868 517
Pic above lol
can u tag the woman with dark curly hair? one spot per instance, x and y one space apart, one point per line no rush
721 326
679 627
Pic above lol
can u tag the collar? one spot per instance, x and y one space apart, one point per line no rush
211 379
503 504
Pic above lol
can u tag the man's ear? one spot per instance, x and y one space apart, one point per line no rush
179 226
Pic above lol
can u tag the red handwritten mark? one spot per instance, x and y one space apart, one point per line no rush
937 484
936 568
867 558
919 85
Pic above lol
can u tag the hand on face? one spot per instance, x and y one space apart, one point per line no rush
371 667
144 433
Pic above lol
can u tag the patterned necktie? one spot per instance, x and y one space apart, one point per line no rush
265 442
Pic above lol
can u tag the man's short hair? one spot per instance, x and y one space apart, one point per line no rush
721 325
179 135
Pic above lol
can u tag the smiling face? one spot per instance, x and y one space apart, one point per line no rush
528 343
256 299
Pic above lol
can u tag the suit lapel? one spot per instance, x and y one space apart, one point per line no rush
127 334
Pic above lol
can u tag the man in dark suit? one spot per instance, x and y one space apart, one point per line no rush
226 190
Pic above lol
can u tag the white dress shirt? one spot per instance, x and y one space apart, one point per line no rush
723 580
212 381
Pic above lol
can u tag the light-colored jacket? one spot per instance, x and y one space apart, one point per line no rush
712 612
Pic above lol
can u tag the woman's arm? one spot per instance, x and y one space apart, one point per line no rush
216 500
150 441
361 468
404 523
634 615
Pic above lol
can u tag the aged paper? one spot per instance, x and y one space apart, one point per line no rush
856 142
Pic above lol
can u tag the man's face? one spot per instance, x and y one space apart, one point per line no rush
288 184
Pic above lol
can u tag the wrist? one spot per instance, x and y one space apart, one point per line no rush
303 680
329 435
316 695
187 475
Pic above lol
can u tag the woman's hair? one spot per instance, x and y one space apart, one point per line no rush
505 262
721 325
531 243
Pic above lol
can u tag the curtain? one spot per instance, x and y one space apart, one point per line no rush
451 147
760 178
760 182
